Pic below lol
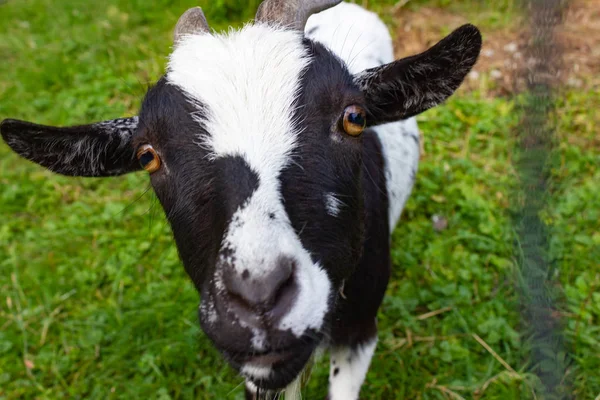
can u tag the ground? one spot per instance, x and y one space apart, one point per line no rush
95 304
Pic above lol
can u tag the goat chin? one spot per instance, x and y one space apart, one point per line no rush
294 390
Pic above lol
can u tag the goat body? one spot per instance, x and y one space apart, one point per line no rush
282 154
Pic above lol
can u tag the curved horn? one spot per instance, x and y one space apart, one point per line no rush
292 13
192 21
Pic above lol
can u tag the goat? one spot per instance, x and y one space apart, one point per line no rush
282 154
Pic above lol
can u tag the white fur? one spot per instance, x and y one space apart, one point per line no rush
399 142
352 366
248 81
333 205
257 242
259 339
256 372
291 392
356 35
251 387
294 390
363 41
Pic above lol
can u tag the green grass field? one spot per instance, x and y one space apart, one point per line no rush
94 303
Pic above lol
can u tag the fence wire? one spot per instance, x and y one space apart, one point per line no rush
538 293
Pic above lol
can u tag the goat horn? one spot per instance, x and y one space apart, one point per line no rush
192 21
292 13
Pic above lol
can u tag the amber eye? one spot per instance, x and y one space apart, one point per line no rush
355 120
148 158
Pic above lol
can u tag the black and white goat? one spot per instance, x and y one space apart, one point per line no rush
282 154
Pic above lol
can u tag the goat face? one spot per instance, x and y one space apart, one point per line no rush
261 185
253 140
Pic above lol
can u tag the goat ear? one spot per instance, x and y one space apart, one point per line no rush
100 149
409 86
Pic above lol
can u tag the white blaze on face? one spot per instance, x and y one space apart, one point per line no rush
248 81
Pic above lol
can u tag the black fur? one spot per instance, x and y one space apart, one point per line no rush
363 291
326 166
409 86
237 182
187 186
101 149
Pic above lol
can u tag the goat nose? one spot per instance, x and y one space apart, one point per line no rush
270 293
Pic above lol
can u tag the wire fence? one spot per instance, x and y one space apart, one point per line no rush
538 293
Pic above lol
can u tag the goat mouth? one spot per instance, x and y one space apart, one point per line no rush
264 359
270 359
273 370
279 374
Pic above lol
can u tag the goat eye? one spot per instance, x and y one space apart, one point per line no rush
355 120
148 158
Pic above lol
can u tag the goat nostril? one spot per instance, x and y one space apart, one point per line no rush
284 278
284 298
283 288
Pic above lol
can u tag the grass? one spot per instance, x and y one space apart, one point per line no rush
94 303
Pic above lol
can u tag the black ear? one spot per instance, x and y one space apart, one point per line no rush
101 149
409 86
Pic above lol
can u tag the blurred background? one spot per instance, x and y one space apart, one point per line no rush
94 303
